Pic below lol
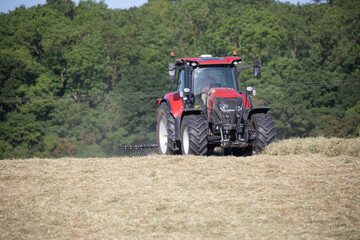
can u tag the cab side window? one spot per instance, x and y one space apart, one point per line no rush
181 81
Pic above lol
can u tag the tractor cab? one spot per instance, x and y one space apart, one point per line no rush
196 76
204 78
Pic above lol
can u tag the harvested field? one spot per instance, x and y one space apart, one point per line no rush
296 196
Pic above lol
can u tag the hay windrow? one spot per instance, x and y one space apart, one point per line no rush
331 147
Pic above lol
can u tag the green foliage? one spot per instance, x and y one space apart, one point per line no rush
91 75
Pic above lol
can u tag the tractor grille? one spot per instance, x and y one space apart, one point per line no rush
229 116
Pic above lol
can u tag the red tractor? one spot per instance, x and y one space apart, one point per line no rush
209 110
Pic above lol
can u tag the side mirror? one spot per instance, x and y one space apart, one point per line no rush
257 69
172 71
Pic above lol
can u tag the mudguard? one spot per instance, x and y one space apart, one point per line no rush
174 102
176 106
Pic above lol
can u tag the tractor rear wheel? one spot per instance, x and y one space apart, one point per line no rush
166 131
194 139
264 128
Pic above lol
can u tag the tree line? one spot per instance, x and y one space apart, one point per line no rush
82 80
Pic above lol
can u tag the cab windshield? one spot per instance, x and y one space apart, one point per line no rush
205 78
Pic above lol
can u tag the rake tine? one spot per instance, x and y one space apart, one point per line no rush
139 150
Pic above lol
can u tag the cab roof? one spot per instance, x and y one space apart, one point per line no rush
210 60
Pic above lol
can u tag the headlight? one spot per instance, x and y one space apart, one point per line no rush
223 106
239 107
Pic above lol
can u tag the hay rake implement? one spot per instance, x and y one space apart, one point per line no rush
140 150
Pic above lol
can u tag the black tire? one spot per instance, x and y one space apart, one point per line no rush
169 146
264 127
196 128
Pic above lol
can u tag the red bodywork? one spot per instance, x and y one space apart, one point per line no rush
224 93
177 106
176 103
207 61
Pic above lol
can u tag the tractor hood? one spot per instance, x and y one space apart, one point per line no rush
225 93
219 93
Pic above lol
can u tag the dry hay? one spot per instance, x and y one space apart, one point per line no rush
330 147
176 197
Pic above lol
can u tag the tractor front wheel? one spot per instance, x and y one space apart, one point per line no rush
194 130
264 128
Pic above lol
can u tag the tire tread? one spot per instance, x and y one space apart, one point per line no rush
197 128
265 131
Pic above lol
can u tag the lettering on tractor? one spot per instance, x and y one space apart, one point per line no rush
209 110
